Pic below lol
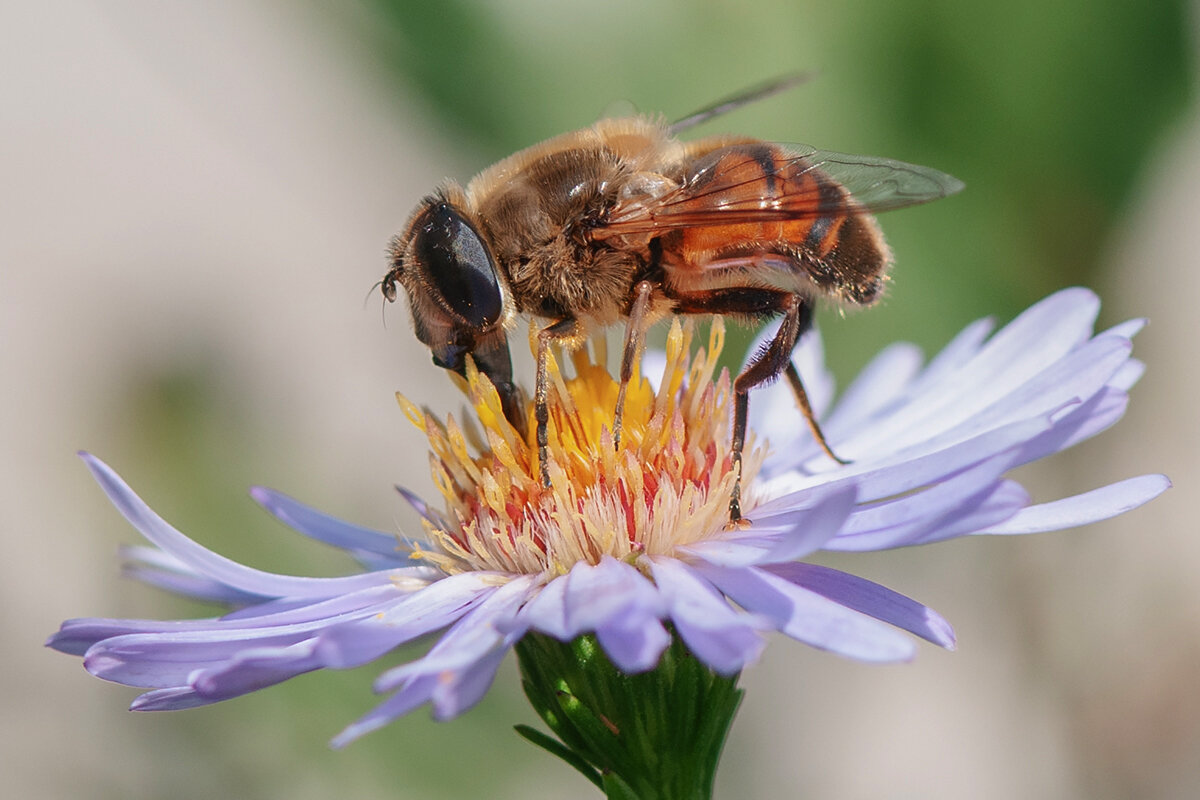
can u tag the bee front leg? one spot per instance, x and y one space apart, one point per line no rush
635 331
563 329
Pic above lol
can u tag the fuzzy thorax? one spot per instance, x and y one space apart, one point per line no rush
668 484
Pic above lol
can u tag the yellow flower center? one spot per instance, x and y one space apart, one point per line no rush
668 484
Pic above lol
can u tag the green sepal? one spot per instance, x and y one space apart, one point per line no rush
555 747
617 789
657 735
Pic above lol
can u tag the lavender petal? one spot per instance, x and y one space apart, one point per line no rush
485 628
413 695
156 568
621 607
461 693
176 698
634 644
324 528
809 617
219 568
869 598
921 466
786 534
601 594
724 639
255 669
355 642
547 611
1083 509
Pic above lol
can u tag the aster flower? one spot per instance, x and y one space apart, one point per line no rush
629 555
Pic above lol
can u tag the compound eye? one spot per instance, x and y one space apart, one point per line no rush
458 264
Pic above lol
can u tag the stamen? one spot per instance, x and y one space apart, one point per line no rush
669 484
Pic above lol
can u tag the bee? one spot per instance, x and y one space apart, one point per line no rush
622 222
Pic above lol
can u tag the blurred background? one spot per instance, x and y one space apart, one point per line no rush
196 202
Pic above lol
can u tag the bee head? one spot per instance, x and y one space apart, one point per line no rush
453 285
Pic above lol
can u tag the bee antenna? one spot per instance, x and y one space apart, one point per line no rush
371 291
382 307
743 98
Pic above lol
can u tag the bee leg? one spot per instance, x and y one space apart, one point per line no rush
793 376
766 365
563 329
634 333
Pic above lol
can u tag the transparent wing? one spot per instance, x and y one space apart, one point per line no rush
761 182
745 97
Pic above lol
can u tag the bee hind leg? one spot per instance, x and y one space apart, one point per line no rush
767 365
793 376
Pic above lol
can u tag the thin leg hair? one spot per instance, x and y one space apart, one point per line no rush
562 329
